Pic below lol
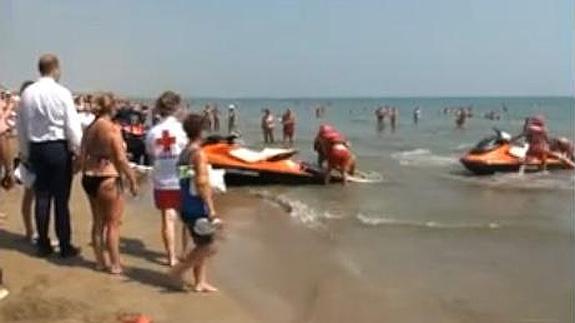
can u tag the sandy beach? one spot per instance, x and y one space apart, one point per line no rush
55 290
274 268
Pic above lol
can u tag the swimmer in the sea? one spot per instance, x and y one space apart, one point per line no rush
380 116
268 125
393 116
416 115
288 122
460 118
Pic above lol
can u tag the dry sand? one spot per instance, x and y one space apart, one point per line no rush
57 290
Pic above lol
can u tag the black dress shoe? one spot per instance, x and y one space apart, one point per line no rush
44 250
69 252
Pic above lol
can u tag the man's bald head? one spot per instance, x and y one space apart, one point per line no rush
48 65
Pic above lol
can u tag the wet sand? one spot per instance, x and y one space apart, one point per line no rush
273 268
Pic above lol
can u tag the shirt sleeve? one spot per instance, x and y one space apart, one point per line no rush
72 124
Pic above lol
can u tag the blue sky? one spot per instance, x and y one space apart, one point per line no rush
306 48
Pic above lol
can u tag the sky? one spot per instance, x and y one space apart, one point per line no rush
305 48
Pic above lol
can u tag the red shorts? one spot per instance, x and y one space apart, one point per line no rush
167 199
339 156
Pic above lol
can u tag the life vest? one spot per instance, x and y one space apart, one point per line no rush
136 130
330 135
338 156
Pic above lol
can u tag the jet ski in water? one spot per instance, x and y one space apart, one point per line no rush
244 166
497 153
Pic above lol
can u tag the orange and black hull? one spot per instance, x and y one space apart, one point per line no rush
238 173
499 160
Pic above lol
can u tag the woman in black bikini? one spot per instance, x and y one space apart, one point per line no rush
103 157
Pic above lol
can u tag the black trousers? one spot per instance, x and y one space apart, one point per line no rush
52 163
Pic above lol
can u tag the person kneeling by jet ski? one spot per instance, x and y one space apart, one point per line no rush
540 146
332 147
563 147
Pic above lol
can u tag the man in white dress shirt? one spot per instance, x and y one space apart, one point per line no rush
50 133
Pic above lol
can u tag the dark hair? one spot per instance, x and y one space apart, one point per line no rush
47 64
193 126
25 85
168 103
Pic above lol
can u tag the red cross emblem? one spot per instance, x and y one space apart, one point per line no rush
166 141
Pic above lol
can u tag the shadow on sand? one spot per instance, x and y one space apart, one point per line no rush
156 278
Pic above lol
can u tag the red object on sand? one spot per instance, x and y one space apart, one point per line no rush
135 318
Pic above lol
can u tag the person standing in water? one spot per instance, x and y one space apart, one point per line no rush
268 125
164 143
104 160
197 209
394 114
232 119
380 116
288 121
416 115
51 135
460 118
216 118
207 115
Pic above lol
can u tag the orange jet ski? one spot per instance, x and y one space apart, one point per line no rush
497 153
244 166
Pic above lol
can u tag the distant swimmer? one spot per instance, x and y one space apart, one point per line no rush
394 115
232 119
288 122
416 115
320 112
216 118
207 118
268 126
460 118
104 160
380 115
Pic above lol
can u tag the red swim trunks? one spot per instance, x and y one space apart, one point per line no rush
167 199
339 156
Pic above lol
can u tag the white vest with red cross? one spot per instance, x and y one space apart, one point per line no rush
164 143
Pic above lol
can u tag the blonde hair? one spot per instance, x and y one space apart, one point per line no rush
105 104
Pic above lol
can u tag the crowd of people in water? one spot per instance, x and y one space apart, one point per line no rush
102 137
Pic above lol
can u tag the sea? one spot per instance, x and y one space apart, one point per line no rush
431 242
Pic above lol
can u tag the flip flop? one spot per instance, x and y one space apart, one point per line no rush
3 293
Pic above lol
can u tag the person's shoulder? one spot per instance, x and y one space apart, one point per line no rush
30 90
62 90
155 129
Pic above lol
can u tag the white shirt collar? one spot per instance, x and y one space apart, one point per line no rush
46 79
170 118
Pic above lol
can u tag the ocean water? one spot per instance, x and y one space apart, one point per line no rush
465 248
424 184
